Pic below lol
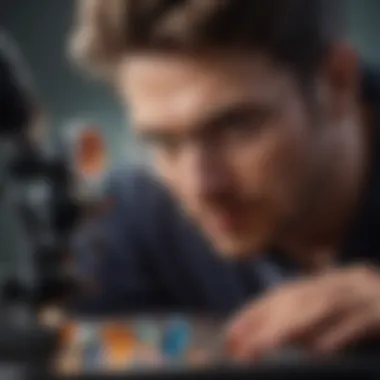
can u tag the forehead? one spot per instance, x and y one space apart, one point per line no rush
176 90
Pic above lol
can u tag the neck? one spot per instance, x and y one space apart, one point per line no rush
318 238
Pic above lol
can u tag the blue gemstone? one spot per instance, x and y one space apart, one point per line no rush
177 339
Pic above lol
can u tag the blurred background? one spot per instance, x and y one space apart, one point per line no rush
40 28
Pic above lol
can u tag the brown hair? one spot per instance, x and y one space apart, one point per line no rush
294 32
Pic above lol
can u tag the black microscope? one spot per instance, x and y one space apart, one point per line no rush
23 341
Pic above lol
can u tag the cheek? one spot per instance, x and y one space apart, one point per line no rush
272 166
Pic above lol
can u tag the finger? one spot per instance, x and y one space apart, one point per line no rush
248 327
273 323
302 290
264 341
297 313
246 319
359 279
355 329
291 324
277 331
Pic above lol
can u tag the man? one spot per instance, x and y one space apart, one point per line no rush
263 130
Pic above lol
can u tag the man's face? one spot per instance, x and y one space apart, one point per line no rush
232 139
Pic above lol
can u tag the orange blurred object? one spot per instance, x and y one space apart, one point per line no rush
69 358
120 346
91 158
68 333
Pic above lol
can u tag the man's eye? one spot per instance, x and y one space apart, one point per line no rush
160 142
167 145
244 126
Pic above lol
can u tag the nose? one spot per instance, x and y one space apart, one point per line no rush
203 172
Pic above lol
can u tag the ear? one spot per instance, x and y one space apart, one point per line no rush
342 74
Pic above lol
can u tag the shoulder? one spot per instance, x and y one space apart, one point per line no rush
139 198
135 186
135 211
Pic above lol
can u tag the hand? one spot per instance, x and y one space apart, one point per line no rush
324 315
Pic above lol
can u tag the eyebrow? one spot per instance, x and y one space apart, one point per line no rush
235 112
221 117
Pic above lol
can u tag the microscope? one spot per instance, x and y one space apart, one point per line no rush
23 340
28 162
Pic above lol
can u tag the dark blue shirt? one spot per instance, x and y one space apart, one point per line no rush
143 254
